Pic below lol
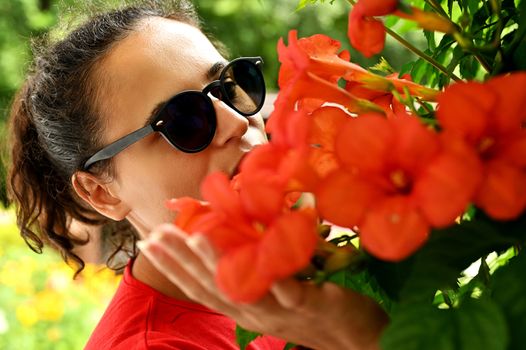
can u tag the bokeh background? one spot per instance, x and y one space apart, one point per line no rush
41 306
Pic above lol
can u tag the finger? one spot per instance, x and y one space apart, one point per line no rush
289 293
173 241
202 247
188 284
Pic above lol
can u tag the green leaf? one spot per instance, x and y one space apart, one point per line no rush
469 67
364 283
244 337
430 37
289 346
509 290
303 3
476 324
391 277
448 252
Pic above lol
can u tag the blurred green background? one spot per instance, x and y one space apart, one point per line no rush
40 306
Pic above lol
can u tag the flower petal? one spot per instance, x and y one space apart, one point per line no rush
448 184
415 144
393 229
288 244
465 109
503 192
189 211
366 34
342 198
510 111
514 152
238 276
378 7
216 189
365 142
326 124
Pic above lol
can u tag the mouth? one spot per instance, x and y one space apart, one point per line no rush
237 168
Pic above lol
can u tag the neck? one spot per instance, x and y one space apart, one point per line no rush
144 271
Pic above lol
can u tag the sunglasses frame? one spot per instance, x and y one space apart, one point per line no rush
122 143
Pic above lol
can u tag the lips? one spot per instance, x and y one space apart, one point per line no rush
236 170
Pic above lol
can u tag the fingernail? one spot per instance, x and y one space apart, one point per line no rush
143 245
154 236
194 240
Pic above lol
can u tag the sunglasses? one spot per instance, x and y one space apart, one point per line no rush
188 120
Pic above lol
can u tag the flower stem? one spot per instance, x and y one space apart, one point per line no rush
434 4
421 54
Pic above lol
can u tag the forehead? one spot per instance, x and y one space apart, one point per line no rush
161 43
157 60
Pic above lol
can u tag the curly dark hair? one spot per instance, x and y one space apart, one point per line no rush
54 126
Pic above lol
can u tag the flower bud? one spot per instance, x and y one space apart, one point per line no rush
378 7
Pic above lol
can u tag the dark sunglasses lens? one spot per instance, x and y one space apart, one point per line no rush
244 86
190 121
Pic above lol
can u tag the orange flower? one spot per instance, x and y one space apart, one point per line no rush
277 245
310 70
257 243
378 7
490 118
397 180
366 34
326 124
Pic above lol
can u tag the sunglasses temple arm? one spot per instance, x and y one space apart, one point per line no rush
118 146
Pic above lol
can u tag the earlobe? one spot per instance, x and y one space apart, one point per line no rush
97 194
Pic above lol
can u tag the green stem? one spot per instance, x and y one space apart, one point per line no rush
424 105
345 238
421 54
438 8
482 61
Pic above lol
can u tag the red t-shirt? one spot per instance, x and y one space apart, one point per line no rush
139 317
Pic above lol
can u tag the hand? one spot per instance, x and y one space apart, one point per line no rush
320 317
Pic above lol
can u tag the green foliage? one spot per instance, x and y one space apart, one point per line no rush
362 282
244 337
509 289
476 324
304 3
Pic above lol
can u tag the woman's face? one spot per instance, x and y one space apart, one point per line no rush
162 58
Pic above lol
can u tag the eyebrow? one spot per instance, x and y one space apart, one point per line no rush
210 74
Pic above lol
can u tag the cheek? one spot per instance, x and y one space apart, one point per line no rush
150 179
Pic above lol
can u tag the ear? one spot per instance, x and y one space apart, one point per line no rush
97 193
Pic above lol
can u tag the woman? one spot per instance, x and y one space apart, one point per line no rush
97 133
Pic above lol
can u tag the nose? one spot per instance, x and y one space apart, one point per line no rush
230 124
